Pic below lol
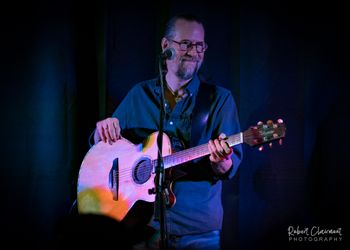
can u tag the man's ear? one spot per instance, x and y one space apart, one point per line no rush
164 44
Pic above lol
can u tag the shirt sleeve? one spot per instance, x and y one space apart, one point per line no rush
123 110
227 122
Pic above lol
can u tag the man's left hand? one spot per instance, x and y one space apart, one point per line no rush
220 155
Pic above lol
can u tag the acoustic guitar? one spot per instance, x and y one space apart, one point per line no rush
112 178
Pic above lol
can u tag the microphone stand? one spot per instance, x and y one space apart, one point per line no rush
160 173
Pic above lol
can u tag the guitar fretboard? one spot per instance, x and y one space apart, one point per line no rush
196 152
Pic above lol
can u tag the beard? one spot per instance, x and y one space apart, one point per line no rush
185 71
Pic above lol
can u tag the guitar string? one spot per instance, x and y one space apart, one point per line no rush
189 154
128 172
180 154
183 155
186 153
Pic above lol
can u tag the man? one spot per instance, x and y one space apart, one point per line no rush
195 220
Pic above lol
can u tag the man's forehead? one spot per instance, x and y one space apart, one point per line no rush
189 30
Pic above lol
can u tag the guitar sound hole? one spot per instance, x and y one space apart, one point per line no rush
142 171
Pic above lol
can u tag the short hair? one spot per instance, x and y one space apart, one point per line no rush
170 25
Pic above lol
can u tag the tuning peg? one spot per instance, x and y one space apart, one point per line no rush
261 148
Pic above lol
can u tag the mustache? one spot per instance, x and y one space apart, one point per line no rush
190 58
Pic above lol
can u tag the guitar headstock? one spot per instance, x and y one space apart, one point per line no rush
264 133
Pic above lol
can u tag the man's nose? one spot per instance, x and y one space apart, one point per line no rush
192 50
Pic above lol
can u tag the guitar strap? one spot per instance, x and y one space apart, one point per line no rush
199 119
201 111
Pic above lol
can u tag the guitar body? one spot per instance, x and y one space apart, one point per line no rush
112 178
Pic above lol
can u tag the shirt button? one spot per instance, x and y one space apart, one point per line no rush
171 123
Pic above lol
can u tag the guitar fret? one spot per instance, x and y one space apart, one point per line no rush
235 139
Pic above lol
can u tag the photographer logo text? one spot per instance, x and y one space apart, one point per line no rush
314 233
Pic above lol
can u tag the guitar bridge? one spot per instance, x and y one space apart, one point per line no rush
114 179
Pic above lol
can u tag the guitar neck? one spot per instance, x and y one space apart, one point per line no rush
196 152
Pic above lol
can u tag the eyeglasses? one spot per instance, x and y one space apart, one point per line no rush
186 45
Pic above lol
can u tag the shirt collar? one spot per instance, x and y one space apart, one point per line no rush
191 89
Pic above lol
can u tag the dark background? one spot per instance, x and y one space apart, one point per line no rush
65 65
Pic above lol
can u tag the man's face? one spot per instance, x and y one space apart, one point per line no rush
190 48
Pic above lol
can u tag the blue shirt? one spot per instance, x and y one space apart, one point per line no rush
198 206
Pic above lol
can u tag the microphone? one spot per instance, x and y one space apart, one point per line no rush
168 54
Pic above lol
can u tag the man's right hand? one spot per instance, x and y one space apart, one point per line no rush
107 130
